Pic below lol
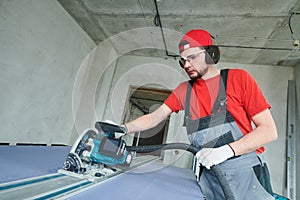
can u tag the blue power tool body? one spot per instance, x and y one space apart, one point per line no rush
98 146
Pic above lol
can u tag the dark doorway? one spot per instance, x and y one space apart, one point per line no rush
141 101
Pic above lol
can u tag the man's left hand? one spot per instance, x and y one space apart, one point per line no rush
213 156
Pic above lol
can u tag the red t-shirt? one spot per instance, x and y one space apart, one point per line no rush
245 98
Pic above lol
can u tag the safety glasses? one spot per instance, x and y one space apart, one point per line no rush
189 58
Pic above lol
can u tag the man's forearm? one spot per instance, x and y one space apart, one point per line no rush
142 123
264 133
148 121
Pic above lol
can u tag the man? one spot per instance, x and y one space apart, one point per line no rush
219 110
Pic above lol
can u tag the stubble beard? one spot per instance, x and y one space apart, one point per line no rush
199 74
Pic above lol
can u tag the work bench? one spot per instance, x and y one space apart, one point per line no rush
153 180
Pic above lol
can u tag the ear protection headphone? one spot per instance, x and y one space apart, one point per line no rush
212 54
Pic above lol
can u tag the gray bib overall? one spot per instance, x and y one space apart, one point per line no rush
219 129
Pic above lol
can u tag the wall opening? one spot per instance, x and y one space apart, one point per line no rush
141 101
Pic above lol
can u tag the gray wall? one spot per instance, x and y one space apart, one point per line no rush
41 49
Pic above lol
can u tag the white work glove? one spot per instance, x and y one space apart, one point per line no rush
213 156
117 134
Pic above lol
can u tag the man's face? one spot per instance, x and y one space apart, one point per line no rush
193 62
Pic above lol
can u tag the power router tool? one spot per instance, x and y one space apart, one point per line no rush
98 148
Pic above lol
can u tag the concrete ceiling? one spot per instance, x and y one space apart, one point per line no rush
250 32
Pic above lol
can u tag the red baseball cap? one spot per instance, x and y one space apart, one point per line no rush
195 38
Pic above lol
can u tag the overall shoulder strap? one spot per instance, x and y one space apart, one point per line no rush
224 75
221 100
188 101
